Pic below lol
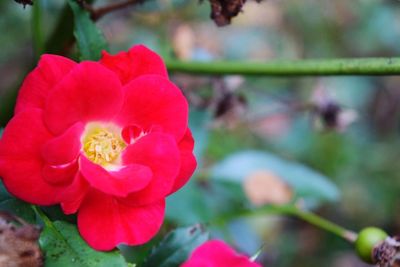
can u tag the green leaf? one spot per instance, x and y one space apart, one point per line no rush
4 195
55 213
308 184
15 206
188 205
19 208
198 120
205 202
89 38
176 247
63 246
190 200
24 210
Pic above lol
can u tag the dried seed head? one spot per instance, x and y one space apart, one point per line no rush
387 253
222 11
329 113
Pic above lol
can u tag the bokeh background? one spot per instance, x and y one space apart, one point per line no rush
276 132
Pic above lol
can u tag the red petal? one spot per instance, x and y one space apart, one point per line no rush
60 155
160 153
37 85
152 100
216 253
90 92
131 133
20 158
73 195
104 222
65 148
60 175
130 178
138 61
188 161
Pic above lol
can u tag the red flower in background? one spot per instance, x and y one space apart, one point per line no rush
108 140
215 253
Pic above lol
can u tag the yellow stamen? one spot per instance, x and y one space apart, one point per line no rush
102 146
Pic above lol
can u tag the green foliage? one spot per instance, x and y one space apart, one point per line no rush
89 38
188 206
204 202
198 120
176 247
60 241
307 184
16 206
63 246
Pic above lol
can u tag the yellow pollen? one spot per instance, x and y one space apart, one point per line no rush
103 147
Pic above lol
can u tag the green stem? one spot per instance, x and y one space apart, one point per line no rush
42 216
324 224
62 35
37 28
314 67
47 222
306 216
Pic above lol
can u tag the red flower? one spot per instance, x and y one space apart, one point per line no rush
107 139
215 253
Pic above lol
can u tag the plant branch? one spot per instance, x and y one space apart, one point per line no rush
97 13
41 215
296 212
324 224
37 28
308 67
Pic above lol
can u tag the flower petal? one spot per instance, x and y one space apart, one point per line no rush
130 178
90 92
65 148
160 153
73 195
37 85
104 222
188 161
139 60
20 158
216 253
61 174
154 101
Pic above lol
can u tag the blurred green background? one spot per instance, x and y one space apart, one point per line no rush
349 172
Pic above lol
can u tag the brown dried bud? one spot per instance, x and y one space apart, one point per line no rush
222 11
387 253
18 242
24 2
330 113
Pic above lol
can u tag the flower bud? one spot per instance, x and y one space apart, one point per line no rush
367 240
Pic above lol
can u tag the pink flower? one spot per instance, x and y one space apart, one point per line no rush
215 253
108 140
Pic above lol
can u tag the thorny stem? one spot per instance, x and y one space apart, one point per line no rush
299 213
97 13
307 67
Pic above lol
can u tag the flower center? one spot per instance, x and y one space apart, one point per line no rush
102 146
